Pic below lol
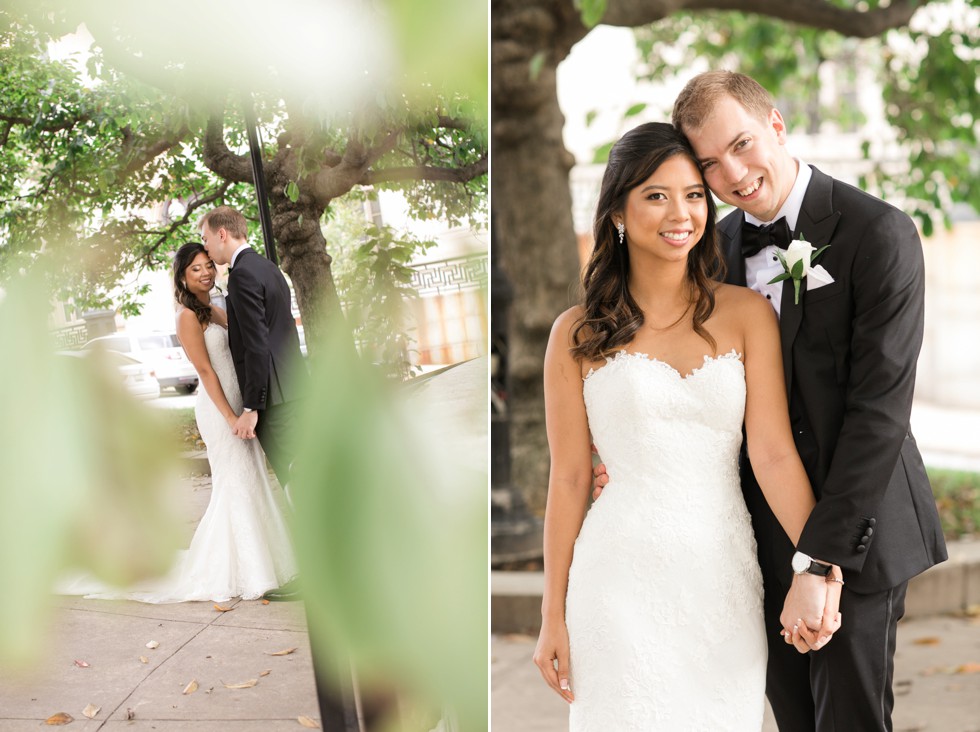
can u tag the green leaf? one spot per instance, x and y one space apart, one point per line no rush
602 153
537 63
292 191
590 117
817 253
797 270
635 109
779 278
591 11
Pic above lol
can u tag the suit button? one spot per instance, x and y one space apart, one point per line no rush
862 547
865 539
868 531
872 522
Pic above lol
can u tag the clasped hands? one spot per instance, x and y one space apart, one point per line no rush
244 425
810 615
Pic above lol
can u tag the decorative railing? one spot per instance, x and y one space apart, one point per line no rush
72 336
450 275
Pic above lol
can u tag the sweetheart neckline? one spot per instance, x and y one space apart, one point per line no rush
623 354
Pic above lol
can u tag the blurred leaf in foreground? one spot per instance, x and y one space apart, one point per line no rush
84 469
391 530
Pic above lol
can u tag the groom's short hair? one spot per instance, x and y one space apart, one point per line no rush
227 218
700 95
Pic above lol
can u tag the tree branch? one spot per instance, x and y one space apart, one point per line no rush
423 172
138 156
218 157
813 13
191 207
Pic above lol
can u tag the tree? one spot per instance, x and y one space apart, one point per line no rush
930 96
84 159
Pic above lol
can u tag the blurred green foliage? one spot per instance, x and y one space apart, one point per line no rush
958 500
391 525
85 473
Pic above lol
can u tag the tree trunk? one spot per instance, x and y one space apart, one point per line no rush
303 256
532 208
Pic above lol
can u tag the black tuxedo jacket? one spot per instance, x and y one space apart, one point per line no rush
849 355
262 332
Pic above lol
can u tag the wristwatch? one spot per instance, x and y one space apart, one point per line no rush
805 564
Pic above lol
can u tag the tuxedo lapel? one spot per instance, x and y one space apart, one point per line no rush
730 240
816 223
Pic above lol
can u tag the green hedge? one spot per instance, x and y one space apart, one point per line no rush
958 500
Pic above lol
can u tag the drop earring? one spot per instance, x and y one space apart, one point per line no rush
621 228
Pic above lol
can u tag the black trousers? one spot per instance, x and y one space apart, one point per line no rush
847 685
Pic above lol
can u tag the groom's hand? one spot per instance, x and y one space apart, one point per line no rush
810 614
245 426
601 478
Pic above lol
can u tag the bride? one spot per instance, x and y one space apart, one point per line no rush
652 610
241 547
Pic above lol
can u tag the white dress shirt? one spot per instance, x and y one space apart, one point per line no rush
763 266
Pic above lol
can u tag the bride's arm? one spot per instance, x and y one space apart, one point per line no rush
568 491
191 338
780 472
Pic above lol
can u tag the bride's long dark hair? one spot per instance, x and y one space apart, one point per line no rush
182 260
612 316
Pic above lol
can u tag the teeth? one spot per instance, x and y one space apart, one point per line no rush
751 189
675 236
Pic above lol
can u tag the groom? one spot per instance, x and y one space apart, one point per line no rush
849 353
262 337
272 378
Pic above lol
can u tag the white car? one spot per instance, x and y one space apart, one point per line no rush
136 376
160 351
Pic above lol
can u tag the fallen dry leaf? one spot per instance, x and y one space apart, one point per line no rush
221 609
244 685
82 664
152 644
91 711
265 602
927 641
285 652
968 668
265 673
308 723
144 659
190 688
130 714
59 718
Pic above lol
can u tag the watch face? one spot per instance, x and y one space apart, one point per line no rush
800 562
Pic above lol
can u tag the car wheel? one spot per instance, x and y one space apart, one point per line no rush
187 388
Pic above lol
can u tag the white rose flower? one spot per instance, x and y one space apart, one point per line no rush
799 251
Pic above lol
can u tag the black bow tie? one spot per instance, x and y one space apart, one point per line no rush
757 238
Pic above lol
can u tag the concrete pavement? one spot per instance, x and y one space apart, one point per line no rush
95 655
937 681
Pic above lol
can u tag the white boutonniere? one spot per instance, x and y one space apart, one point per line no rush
798 263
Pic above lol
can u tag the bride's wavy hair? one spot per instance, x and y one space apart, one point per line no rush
612 316
182 260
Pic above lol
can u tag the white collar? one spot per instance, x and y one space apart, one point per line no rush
794 201
238 251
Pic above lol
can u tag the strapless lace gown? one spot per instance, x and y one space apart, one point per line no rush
664 603
241 547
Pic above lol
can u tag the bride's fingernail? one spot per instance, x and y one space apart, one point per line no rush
563 684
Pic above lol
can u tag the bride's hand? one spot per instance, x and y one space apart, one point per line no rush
552 645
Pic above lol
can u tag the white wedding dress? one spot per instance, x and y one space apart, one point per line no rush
664 603
241 547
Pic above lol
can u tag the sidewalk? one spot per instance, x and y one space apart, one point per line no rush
937 681
95 651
